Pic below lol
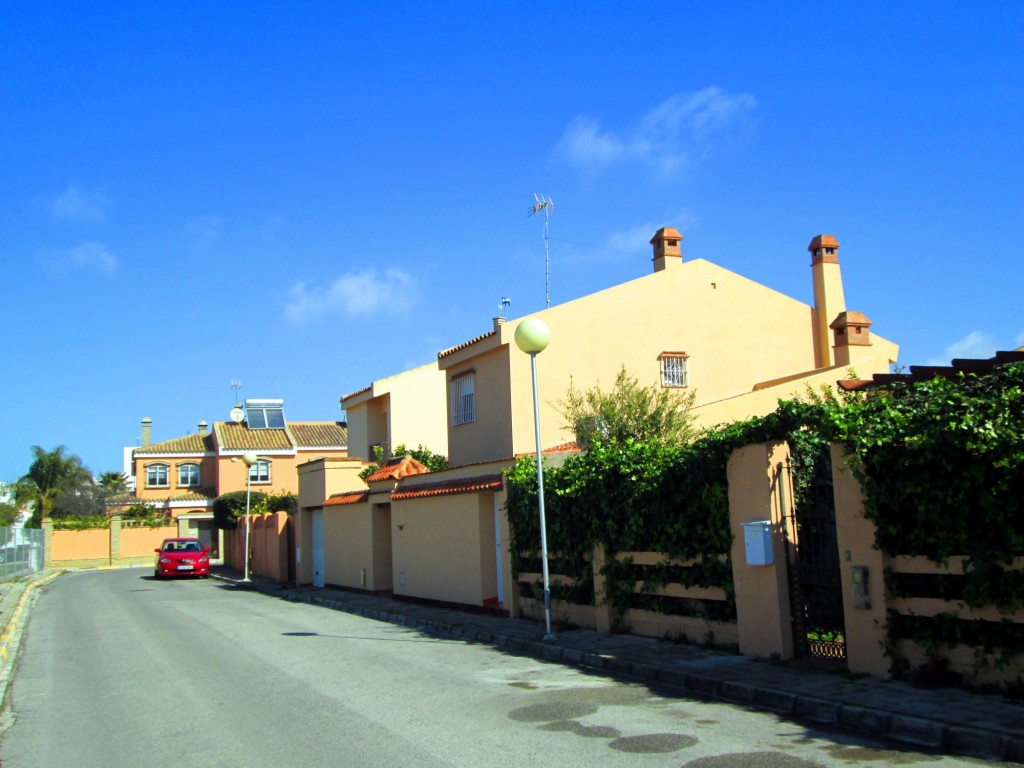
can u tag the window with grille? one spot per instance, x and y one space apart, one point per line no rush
462 400
673 369
156 476
188 474
260 472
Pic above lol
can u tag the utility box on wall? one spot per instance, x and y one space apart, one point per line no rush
757 540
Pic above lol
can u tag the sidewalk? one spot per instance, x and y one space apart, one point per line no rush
949 720
13 596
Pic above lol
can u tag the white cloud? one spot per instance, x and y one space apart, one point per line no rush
976 345
78 205
87 256
634 240
364 293
637 239
683 127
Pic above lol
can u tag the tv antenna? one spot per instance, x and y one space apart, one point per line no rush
544 203
503 308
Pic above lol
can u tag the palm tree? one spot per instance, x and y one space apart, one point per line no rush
113 482
51 474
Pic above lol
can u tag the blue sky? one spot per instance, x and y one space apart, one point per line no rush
309 196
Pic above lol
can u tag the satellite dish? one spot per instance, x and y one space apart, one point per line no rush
237 414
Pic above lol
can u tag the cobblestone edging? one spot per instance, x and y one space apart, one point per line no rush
950 738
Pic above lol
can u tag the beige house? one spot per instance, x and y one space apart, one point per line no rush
689 324
407 408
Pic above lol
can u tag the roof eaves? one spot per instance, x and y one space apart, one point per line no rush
471 342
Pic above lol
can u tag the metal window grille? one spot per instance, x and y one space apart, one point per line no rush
462 400
673 371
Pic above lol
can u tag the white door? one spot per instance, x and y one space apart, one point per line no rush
318 548
497 546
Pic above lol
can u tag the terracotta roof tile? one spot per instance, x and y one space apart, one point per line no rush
357 392
453 350
193 496
570 447
238 437
396 468
318 434
483 483
349 497
195 443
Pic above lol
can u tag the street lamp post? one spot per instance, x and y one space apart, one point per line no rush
532 336
250 458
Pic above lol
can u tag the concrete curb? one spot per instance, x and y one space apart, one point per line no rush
931 734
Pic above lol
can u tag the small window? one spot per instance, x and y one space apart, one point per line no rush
673 369
188 474
462 400
260 472
156 476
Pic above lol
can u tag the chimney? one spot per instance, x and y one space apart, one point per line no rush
147 430
829 301
202 428
667 251
850 329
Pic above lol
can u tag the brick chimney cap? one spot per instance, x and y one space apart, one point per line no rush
668 233
823 241
847 319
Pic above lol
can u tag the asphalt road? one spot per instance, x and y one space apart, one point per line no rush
117 669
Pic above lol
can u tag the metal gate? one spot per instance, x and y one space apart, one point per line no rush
815 579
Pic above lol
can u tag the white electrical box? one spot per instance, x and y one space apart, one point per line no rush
757 539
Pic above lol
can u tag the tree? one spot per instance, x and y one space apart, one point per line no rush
51 475
8 514
113 482
652 414
435 462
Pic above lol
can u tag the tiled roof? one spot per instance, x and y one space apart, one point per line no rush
318 434
238 437
570 447
453 350
193 496
195 443
929 372
357 392
397 467
349 497
484 483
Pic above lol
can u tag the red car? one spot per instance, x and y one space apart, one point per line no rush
182 557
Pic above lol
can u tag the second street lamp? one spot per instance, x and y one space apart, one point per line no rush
532 336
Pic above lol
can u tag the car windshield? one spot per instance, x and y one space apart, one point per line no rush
182 546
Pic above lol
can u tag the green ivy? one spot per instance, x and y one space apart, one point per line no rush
941 464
